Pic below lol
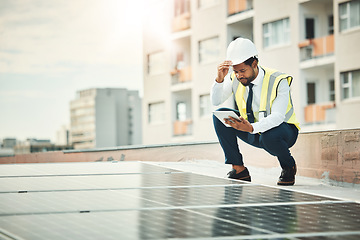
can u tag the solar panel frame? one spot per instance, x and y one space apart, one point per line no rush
135 200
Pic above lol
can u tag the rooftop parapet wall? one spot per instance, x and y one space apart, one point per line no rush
332 155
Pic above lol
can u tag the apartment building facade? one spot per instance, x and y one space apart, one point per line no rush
315 41
105 117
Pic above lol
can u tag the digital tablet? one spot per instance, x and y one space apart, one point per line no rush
225 114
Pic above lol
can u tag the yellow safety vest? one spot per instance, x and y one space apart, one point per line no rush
270 84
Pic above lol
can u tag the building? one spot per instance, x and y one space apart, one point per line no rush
9 142
313 40
33 145
106 117
7 147
63 135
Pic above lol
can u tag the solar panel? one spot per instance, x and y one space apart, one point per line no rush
79 169
134 200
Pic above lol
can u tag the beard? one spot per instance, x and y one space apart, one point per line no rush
246 81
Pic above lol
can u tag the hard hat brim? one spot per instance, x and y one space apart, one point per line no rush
240 50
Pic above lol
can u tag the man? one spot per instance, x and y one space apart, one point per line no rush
266 115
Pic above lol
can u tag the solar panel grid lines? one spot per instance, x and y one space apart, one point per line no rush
54 169
5 235
292 236
134 200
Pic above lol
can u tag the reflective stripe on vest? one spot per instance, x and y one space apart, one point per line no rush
270 84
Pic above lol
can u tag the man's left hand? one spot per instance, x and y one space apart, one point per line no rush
242 124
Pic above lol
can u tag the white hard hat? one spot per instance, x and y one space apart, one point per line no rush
240 50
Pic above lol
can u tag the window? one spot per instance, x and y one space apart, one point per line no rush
349 14
209 50
181 111
350 84
83 111
332 90
156 63
276 33
311 98
331 24
157 112
205 105
309 28
181 7
207 3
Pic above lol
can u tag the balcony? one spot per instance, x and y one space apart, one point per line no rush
182 15
237 6
320 113
181 23
181 75
182 128
316 48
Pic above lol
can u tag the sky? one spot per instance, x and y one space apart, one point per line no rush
49 50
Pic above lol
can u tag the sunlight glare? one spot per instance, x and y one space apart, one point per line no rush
157 24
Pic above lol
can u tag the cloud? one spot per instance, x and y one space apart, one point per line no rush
25 94
40 35
49 49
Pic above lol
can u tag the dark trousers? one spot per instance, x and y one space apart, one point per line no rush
275 141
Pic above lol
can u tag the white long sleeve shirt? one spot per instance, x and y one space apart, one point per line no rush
220 92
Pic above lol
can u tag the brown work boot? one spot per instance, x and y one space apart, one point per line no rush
243 175
287 177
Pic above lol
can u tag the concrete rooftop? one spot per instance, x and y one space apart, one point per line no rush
180 191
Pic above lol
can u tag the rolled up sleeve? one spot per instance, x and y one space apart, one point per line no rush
220 92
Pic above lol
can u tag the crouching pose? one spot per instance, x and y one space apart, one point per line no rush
266 114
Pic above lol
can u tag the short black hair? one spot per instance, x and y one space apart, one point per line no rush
249 61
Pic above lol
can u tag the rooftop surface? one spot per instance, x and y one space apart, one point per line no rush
269 177
172 200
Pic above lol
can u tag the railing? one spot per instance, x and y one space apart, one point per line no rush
181 75
181 22
182 128
320 113
236 6
317 47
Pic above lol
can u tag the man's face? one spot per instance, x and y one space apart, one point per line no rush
245 73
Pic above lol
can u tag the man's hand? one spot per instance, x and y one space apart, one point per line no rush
223 69
242 124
